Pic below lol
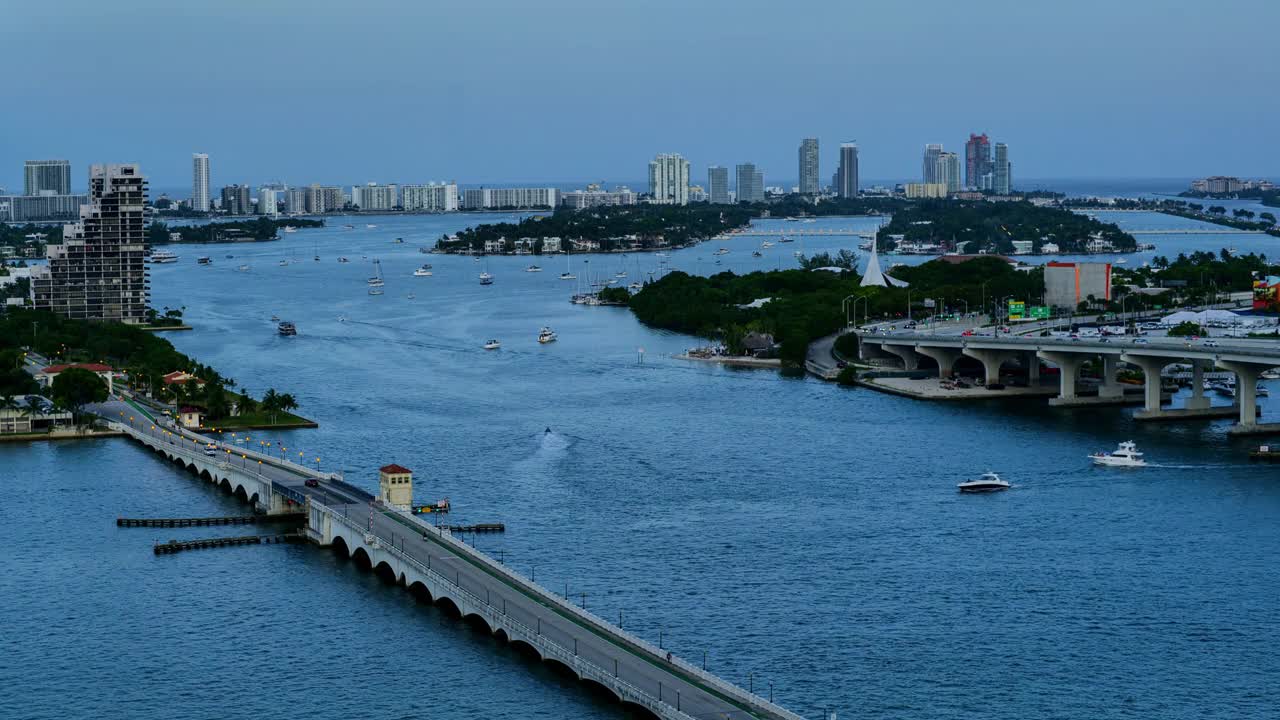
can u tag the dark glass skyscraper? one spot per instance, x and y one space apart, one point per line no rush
977 161
847 173
809 167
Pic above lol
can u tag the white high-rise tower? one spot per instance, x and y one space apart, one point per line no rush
200 182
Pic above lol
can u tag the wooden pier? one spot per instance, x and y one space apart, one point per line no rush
209 521
174 546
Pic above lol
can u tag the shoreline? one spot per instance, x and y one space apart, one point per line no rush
61 435
762 363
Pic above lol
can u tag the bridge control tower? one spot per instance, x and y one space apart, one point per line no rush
395 486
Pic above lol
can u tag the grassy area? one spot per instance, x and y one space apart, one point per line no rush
260 421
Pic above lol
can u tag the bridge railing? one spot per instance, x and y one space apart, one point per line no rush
547 647
637 643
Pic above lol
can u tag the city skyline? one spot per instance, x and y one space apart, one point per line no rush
1162 101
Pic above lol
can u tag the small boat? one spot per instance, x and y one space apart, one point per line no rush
486 278
424 250
243 268
786 239
411 296
283 263
290 229
424 271
533 268
163 256
989 482
1121 261
399 241
376 283
568 276
620 274
757 253
1126 455
275 318
766 244
343 260
1271 374
492 345
546 335
371 226
230 257
635 287
348 227
722 251
204 261
287 329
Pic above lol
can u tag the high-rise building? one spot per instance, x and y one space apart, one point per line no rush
235 200
509 198
977 160
375 197
718 185
1003 171
200 182
315 199
267 202
931 153
295 201
669 179
596 196
809 167
99 272
46 177
846 184
949 171
434 197
750 183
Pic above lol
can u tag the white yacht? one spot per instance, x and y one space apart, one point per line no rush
163 256
546 335
376 283
492 345
486 278
424 271
371 226
989 482
1126 455
290 229
533 268
244 268
722 251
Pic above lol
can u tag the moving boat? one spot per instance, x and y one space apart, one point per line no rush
989 482
283 263
424 271
371 226
533 268
290 229
287 328
492 345
399 241
1125 455
163 256
343 260
243 268
375 282
348 227
722 251
546 335
204 261
757 253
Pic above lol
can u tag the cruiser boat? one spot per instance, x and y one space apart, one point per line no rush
492 345
424 271
786 239
546 335
533 268
287 328
722 251
343 260
290 229
163 256
1126 455
204 261
486 278
989 482
1271 374
568 276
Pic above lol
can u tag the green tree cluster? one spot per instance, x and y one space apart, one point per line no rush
994 226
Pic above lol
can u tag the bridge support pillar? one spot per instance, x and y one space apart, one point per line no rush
1197 401
1068 370
991 361
1151 369
1246 394
944 356
1032 362
910 360
871 351
1109 387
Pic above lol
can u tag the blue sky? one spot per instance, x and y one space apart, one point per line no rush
557 90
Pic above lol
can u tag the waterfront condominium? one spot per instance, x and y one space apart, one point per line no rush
750 183
977 162
931 153
46 177
949 171
1003 171
809 167
718 185
268 201
847 172
669 179
98 271
433 197
200 182
235 199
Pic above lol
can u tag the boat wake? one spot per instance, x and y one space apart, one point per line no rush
552 442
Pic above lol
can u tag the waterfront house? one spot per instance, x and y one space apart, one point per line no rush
495 246
29 417
190 417
178 377
550 245
46 376
758 344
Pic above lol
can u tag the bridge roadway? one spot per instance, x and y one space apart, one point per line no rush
434 564
1246 358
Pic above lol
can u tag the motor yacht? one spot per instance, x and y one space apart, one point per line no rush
343 260
163 256
988 482
533 268
287 328
290 229
546 335
1125 455
486 278
424 271
492 345
204 261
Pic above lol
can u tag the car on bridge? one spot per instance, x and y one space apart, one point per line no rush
312 482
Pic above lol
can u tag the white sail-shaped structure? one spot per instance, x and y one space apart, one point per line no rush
875 277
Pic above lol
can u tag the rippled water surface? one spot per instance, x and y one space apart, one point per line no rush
800 534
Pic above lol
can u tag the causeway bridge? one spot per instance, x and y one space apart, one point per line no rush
435 566
1247 359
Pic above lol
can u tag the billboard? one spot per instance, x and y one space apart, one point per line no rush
1017 309
1265 293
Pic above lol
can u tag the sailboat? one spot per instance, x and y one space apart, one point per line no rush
567 275
375 282
486 278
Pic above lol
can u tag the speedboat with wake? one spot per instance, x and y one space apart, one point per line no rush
492 345
1125 455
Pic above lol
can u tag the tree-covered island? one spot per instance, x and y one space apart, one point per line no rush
968 227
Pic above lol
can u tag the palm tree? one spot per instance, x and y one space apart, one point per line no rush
287 402
271 403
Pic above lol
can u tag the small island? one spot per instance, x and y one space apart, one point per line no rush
1006 228
259 230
